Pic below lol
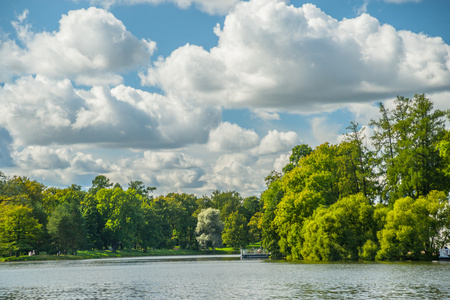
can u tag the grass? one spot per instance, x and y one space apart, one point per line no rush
89 254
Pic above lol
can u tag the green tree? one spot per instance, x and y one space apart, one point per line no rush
340 231
149 231
250 206
359 161
100 182
181 217
94 222
19 230
269 231
298 152
415 229
123 214
443 146
255 227
140 188
227 202
406 140
235 233
163 214
66 226
313 183
209 229
273 176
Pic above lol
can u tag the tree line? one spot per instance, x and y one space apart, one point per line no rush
383 198
107 216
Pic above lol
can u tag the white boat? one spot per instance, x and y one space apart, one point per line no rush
444 254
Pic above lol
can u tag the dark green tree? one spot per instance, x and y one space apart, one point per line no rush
270 199
226 202
235 233
298 152
66 226
100 182
406 140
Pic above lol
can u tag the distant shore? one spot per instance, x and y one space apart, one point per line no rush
95 254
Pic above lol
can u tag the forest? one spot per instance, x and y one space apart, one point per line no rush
377 196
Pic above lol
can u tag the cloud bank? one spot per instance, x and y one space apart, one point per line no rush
275 56
66 114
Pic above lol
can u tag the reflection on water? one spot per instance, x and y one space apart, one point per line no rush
219 277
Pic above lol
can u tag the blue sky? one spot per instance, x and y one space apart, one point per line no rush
197 95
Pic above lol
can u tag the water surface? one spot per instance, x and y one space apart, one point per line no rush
221 277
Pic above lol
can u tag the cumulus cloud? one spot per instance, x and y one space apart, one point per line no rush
90 46
231 137
272 55
60 165
276 142
41 111
168 160
208 6
169 171
234 172
281 162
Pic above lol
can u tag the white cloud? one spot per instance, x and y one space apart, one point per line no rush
272 55
281 162
276 142
40 111
209 6
266 115
90 46
231 137
167 160
59 165
234 172
169 171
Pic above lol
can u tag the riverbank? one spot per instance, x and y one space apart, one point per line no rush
90 254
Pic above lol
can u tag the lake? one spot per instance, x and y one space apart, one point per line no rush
221 277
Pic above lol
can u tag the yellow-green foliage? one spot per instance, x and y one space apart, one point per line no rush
339 231
415 229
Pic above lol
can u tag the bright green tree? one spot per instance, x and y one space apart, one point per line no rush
19 230
255 227
340 231
415 229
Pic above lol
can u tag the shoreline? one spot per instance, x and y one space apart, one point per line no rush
99 254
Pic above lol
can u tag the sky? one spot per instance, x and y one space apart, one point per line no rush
193 96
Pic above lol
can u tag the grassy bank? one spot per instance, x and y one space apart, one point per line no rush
89 254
